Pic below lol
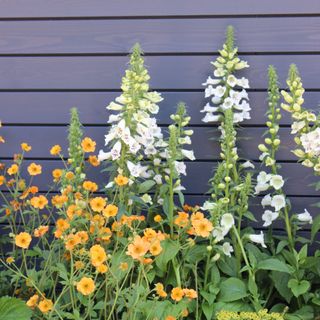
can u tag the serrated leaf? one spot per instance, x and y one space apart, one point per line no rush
13 309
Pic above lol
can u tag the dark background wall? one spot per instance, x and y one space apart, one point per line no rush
58 54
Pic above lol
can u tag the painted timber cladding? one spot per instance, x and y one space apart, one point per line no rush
58 54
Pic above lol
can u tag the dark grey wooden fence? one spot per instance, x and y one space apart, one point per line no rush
58 54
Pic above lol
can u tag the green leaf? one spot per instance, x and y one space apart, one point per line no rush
232 289
146 186
13 309
170 250
280 281
273 264
315 227
207 310
298 288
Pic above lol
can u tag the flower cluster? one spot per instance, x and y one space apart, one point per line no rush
225 90
134 135
305 125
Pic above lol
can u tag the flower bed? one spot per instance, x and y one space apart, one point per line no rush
132 248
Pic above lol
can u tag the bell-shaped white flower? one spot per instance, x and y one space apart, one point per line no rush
115 151
276 181
248 164
180 167
268 217
227 221
232 80
208 205
211 81
258 238
227 249
103 155
210 117
278 202
266 200
209 91
263 177
189 154
305 217
219 233
208 108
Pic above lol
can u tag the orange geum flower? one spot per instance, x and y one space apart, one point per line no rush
62 224
110 211
93 160
33 301
34 189
97 204
177 294
40 231
88 145
155 248
55 150
45 305
83 235
197 216
102 268
23 240
25 147
182 220
157 218
170 317
59 200
90 186
121 180
13 169
202 227
105 234
86 286
57 174
10 260
138 248
34 169
160 290
2 180
70 175
190 293
39 202
97 255
150 234
72 241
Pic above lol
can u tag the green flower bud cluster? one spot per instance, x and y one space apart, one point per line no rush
75 136
228 61
272 140
304 121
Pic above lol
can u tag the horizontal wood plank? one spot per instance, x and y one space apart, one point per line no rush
298 183
54 107
124 8
167 72
160 36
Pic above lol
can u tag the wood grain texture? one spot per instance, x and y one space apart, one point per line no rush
160 36
54 107
125 8
205 141
196 182
167 72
